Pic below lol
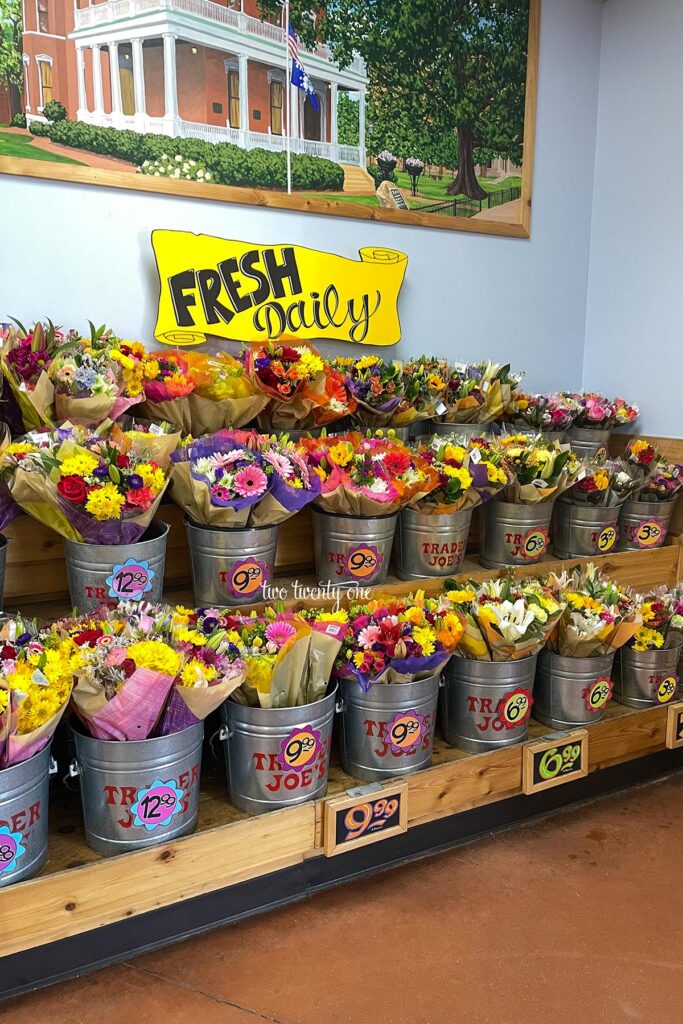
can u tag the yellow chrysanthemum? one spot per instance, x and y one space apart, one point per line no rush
425 637
105 503
260 671
155 656
601 480
191 636
460 474
153 476
495 474
365 362
197 672
151 369
341 454
455 452
80 464
340 616
19 448
461 596
309 363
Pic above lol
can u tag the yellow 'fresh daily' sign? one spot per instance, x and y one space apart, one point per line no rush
247 292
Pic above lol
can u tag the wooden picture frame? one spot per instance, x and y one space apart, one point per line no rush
517 226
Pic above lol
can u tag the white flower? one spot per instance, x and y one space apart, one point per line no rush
207 176
178 159
379 486
200 173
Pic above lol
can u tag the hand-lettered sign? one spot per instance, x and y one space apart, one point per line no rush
364 816
674 725
247 292
550 762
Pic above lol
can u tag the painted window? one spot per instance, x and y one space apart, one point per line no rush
234 99
42 19
45 69
276 107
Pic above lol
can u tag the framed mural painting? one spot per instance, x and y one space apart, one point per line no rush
419 112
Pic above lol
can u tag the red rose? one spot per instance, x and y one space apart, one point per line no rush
128 666
8 653
122 461
88 636
73 489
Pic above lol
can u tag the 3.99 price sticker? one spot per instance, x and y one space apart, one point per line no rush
364 816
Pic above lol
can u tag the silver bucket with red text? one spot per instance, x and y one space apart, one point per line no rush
24 793
572 692
486 704
643 525
230 567
138 793
389 730
430 545
646 679
352 550
276 757
582 531
514 534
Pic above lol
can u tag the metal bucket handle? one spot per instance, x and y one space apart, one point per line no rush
73 772
221 734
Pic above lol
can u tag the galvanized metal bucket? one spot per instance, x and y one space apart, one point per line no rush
514 534
430 545
645 679
572 691
389 730
465 431
3 565
644 524
352 550
487 704
24 792
140 793
230 567
276 757
589 442
582 531
547 435
108 573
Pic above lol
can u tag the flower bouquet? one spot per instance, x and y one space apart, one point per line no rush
661 480
224 397
89 386
588 513
8 506
543 414
645 515
168 385
25 358
604 484
424 387
156 441
646 669
598 616
479 392
294 381
375 386
601 413
490 681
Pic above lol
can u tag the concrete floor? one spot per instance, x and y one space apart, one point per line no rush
577 919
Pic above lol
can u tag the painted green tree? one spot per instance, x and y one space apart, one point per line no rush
442 72
347 120
11 67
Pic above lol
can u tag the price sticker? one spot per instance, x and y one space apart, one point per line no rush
460 367
441 409
156 805
246 577
404 733
598 694
606 539
650 533
11 850
535 544
130 580
365 815
516 708
300 749
674 726
665 690
363 561
475 456
554 761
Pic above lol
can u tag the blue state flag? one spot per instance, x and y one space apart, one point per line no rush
299 77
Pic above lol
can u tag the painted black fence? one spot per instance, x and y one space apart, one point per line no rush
468 207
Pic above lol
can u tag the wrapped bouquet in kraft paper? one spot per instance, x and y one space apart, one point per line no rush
236 488
646 667
424 382
574 681
224 396
101 495
586 518
375 386
477 393
516 524
433 528
25 358
645 516
389 671
365 482
489 689
168 386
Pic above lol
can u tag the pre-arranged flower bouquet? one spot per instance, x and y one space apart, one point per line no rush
604 484
224 396
156 441
241 479
168 385
35 684
601 413
89 386
540 469
293 378
469 475
25 358
661 480
598 616
662 616
85 486
398 640
542 413
424 387
375 386
479 392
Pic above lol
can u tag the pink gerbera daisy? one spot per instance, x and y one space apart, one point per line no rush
225 459
280 632
368 636
281 464
250 481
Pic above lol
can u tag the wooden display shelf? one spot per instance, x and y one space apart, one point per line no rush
79 890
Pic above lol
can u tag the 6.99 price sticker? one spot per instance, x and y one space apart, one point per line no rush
365 815
551 762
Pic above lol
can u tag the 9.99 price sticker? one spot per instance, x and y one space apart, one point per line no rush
364 816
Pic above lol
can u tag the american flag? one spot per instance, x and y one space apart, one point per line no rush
293 44
299 78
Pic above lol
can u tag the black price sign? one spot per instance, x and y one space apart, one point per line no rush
550 762
365 816
674 725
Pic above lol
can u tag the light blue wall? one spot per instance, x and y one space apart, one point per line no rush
76 253
634 324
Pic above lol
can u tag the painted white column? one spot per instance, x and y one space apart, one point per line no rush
361 127
294 113
26 60
243 65
98 106
80 79
334 129
170 84
115 79
139 81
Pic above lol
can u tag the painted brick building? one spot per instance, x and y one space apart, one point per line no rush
212 70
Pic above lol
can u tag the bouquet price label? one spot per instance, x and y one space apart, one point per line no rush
597 695
130 580
363 562
674 725
365 815
553 761
606 539
11 849
154 806
650 533
246 577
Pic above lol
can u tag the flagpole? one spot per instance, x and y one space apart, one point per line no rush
288 91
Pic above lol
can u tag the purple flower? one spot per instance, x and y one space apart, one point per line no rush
209 624
135 481
101 471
